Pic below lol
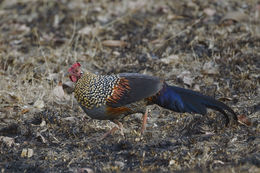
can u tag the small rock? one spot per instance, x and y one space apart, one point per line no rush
116 53
172 162
137 139
120 164
24 152
43 123
196 87
209 11
188 80
29 152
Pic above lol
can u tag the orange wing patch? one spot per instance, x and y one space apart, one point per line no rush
117 111
150 99
119 90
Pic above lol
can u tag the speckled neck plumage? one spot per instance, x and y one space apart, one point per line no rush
92 90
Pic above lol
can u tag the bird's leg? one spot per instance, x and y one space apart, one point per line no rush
120 126
144 121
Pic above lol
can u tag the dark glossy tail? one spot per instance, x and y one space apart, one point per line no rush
184 100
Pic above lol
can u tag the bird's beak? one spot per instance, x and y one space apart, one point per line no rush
69 75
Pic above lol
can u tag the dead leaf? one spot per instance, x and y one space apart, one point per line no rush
174 17
185 76
209 11
237 16
172 162
24 152
23 111
87 30
257 12
22 28
39 104
136 5
56 21
157 41
116 53
170 59
72 119
43 123
29 152
59 93
163 9
13 97
225 99
196 87
39 136
7 140
114 43
242 119
208 80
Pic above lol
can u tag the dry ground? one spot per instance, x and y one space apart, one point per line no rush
210 46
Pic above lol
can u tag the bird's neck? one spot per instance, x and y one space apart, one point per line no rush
87 76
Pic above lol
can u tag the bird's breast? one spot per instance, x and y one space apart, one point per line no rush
93 90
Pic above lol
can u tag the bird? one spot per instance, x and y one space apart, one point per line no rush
112 97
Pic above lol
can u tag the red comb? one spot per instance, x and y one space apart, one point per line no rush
74 66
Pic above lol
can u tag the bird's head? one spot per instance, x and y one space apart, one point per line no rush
75 72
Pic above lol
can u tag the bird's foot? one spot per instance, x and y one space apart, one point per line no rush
108 133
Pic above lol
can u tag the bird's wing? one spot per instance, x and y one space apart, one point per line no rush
132 87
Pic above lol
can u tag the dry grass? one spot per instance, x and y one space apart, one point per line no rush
39 40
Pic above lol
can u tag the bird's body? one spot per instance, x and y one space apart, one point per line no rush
111 97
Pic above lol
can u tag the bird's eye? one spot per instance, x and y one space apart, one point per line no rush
81 72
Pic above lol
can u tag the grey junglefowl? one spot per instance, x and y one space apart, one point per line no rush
112 97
